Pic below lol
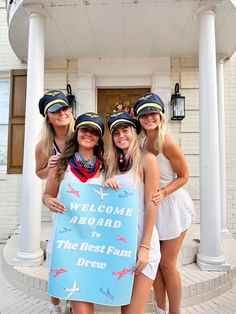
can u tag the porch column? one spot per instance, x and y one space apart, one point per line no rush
210 256
221 113
30 253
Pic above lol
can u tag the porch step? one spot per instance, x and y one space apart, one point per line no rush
198 286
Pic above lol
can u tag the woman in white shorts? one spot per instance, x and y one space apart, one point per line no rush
174 204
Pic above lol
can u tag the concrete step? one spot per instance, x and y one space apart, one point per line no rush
198 286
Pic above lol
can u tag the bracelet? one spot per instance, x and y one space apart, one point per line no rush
145 246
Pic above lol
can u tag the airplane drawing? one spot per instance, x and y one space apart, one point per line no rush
125 194
72 190
58 271
120 238
72 290
121 272
100 193
107 294
64 230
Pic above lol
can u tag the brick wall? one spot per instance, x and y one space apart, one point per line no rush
230 140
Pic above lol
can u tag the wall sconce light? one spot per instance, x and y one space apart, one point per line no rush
71 99
178 103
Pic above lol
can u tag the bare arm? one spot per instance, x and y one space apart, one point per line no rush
42 168
178 162
51 190
151 175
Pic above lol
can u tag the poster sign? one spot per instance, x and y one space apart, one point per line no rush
94 245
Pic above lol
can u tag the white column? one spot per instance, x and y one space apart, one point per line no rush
30 253
210 256
221 114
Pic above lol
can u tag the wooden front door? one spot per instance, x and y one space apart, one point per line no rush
107 98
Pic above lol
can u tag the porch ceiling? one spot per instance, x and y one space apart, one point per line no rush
124 28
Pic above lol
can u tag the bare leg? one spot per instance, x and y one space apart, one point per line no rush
79 307
159 288
140 293
172 282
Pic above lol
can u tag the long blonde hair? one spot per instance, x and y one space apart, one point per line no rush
160 134
48 134
134 153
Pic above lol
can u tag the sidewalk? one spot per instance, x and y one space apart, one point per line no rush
13 301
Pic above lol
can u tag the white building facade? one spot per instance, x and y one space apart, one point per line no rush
55 56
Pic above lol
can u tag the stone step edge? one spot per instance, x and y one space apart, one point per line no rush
205 290
191 294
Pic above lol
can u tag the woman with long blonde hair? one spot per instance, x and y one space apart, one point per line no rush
58 125
174 204
128 166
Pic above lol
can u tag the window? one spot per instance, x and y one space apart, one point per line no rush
4 105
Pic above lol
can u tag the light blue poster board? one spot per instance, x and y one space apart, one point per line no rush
94 246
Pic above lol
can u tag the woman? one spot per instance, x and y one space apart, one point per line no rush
82 160
128 166
57 127
175 206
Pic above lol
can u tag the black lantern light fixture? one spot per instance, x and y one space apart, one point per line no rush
71 99
178 104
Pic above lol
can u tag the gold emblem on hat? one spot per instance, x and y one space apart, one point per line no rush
92 115
52 93
116 114
145 97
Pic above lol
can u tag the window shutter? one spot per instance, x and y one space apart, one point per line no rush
16 121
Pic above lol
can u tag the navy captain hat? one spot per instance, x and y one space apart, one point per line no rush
148 103
90 120
52 101
122 117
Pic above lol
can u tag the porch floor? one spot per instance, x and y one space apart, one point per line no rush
201 289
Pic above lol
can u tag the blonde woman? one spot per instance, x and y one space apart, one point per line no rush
58 125
81 161
128 166
174 204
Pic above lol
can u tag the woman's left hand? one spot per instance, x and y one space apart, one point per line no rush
159 196
142 260
111 183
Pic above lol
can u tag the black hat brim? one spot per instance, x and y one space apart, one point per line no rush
148 110
56 107
88 125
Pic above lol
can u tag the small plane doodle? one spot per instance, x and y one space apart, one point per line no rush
120 238
100 193
72 190
121 272
58 271
65 230
107 294
126 194
72 290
